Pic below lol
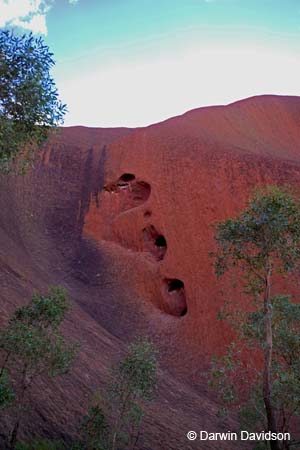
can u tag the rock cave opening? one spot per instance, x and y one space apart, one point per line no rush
154 242
131 191
175 285
176 304
160 241
127 177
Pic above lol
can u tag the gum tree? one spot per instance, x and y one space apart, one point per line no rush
262 242
134 382
95 429
31 346
29 104
239 380
114 420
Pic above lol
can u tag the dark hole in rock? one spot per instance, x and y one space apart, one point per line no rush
175 285
183 312
147 213
127 177
175 298
160 241
154 242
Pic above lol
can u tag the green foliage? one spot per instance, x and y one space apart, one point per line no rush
286 350
262 241
286 327
45 311
223 373
232 377
7 394
32 340
136 373
95 429
269 227
31 345
133 384
29 104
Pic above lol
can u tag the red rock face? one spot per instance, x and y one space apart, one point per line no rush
123 218
198 168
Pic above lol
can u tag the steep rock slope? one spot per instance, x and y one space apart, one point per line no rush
123 218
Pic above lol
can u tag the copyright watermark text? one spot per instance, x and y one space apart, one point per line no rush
243 435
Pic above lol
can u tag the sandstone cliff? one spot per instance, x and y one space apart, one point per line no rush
122 218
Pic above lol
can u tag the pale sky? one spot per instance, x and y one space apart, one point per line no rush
136 62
